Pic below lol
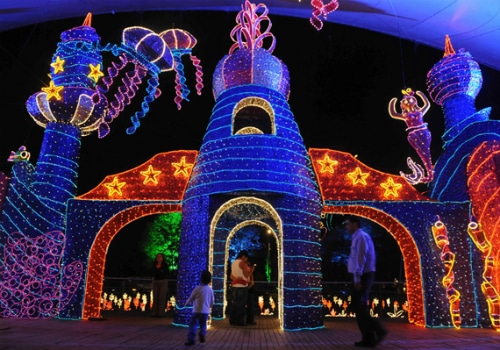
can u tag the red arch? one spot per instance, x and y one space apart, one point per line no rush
97 255
409 250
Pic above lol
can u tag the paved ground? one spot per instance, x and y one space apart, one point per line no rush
141 332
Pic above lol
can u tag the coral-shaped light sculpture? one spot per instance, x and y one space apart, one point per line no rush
249 62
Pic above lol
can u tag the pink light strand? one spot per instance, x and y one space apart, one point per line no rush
248 32
321 9
199 73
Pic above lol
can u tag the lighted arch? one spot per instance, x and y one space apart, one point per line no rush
280 259
411 255
253 102
97 255
277 231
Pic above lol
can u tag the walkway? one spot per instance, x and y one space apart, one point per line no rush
122 331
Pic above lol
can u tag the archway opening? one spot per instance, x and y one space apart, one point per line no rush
97 255
388 296
128 271
253 115
260 241
230 217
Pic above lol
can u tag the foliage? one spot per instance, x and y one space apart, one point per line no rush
163 236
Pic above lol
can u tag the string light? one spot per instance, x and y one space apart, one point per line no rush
440 234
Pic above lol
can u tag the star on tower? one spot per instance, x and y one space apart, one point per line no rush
95 72
53 91
58 65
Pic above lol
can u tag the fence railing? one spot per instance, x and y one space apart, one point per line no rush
133 294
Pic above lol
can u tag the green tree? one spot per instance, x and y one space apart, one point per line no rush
163 236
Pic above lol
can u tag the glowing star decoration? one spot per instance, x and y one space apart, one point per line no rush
182 167
327 164
58 65
115 187
150 175
53 91
95 72
391 188
358 177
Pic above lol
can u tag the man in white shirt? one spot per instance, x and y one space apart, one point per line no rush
362 266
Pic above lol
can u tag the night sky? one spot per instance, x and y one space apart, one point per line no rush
342 79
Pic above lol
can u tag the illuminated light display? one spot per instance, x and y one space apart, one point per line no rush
242 178
255 102
31 286
409 250
58 65
327 164
419 136
168 187
182 168
253 169
340 186
97 256
150 175
95 72
220 242
478 236
391 188
53 91
454 83
321 10
484 191
115 187
440 234
357 176
181 43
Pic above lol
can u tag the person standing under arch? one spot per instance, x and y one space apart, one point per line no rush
361 265
240 272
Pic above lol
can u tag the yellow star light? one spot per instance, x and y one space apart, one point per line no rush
391 188
115 187
150 175
182 167
357 176
327 164
95 72
53 91
58 65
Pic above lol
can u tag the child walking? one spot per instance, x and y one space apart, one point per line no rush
202 298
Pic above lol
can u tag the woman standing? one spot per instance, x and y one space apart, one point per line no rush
160 286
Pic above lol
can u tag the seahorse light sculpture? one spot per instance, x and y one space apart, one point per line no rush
419 135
